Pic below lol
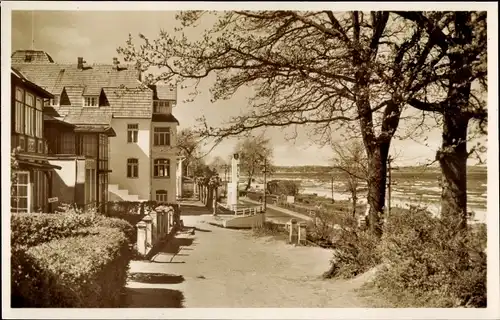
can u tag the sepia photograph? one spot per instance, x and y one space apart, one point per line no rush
298 160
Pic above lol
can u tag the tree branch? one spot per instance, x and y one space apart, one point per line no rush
426 106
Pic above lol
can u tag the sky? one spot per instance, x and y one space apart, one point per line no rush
95 36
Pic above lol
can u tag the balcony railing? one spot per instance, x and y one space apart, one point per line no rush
29 144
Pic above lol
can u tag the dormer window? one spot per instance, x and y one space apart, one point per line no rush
91 101
161 107
55 101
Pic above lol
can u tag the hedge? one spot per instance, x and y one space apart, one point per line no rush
124 226
80 271
35 228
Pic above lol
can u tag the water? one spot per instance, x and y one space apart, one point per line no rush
402 196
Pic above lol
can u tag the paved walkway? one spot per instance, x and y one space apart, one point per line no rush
217 267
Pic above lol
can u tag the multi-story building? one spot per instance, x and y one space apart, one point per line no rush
142 155
33 175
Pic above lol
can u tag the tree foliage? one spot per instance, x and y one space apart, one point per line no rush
284 187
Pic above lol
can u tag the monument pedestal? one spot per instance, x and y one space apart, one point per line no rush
232 195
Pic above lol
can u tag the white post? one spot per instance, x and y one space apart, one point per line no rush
154 227
149 241
293 231
302 233
141 237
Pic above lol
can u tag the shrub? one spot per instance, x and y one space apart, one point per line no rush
320 230
124 226
81 271
269 229
36 228
284 187
354 249
429 263
289 187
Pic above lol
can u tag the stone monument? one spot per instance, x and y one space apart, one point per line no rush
232 186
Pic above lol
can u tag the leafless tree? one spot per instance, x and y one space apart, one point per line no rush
253 152
350 158
188 144
218 164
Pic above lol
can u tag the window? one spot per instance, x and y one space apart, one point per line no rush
39 118
132 168
162 168
90 186
160 107
29 115
162 136
19 110
103 152
91 101
132 132
161 195
40 191
88 145
20 200
55 101
67 143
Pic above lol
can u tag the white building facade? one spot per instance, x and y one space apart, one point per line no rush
143 154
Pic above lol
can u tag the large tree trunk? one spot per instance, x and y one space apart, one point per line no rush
453 154
354 202
453 161
377 171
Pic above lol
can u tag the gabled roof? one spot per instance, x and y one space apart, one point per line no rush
124 95
164 92
31 56
125 102
56 76
16 74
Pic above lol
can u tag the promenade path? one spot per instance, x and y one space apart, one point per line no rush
217 267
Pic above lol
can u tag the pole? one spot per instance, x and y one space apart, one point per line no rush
389 183
265 184
333 200
32 30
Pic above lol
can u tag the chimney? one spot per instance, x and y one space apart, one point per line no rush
116 63
80 63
